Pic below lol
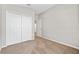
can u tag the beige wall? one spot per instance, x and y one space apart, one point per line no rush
61 23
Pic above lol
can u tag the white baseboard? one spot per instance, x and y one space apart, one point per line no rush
3 46
66 44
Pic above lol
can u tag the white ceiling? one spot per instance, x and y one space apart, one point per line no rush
38 8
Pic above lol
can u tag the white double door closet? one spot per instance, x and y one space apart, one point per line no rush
19 28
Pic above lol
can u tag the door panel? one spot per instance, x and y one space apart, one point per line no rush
13 28
26 28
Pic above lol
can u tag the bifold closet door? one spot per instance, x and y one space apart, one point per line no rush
26 28
13 28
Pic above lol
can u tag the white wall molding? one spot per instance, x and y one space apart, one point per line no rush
63 43
4 46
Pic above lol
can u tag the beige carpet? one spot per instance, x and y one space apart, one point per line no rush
39 46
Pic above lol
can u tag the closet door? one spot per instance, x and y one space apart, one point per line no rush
26 28
13 28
